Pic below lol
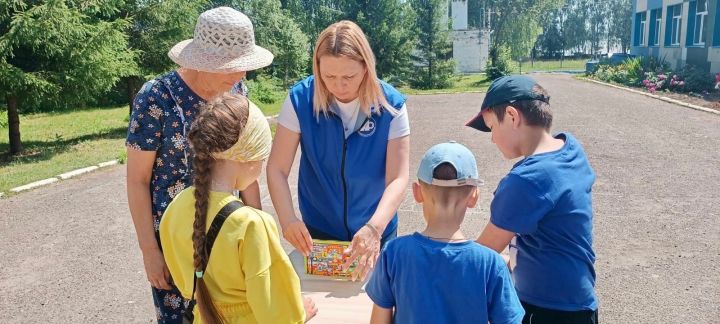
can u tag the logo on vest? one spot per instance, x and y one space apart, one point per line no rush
368 129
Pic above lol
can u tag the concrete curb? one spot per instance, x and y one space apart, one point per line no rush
34 185
666 99
64 176
68 175
108 163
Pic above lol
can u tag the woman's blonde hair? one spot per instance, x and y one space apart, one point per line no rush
346 39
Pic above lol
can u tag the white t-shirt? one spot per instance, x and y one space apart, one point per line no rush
348 112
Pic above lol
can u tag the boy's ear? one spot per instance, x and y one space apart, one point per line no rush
514 115
473 198
417 192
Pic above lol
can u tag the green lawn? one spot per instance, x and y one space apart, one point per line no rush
546 66
461 83
478 82
60 142
56 143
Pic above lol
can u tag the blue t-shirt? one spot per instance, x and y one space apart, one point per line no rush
546 199
436 282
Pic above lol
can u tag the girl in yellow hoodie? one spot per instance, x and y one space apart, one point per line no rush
249 278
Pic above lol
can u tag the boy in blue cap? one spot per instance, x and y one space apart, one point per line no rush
438 276
543 208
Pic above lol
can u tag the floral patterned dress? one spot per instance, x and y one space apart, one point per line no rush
162 113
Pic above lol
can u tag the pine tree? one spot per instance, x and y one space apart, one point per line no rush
59 53
433 56
157 25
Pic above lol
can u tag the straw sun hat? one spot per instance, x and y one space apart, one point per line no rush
224 42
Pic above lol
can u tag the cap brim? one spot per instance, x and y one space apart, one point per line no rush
478 123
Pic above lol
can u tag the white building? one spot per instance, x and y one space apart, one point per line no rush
470 46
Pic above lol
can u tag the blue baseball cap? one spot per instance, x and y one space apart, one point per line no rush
507 89
458 156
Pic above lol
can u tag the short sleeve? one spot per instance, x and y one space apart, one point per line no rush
288 116
379 287
400 125
503 304
518 205
145 127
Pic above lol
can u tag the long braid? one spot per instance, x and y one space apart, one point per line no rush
201 165
215 129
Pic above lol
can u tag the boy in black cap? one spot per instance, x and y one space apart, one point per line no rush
543 208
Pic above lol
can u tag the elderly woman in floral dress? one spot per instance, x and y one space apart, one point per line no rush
158 155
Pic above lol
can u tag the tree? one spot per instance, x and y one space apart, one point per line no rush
598 23
60 53
517 24
278 32
314 16
434 49
390 29
388 25
157 25
575 28
620 24
551 43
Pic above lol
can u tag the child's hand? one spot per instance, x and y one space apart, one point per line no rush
310 308
365 248
297 234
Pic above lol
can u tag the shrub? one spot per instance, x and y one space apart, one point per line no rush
653 64
696 79
660 81
262 89
500 65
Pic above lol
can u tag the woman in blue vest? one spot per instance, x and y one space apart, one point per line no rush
353 133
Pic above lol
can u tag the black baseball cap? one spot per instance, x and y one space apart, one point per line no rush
507 89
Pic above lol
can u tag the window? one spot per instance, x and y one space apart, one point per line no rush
655 25
701 13
716 29
675 25
640 22
642 29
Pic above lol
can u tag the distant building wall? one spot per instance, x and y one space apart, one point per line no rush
459 14
470 50
695 40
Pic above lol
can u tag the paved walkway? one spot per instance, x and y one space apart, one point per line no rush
69 252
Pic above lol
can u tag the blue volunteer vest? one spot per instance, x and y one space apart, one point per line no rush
341 181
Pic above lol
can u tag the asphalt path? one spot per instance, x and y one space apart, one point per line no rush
69 252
